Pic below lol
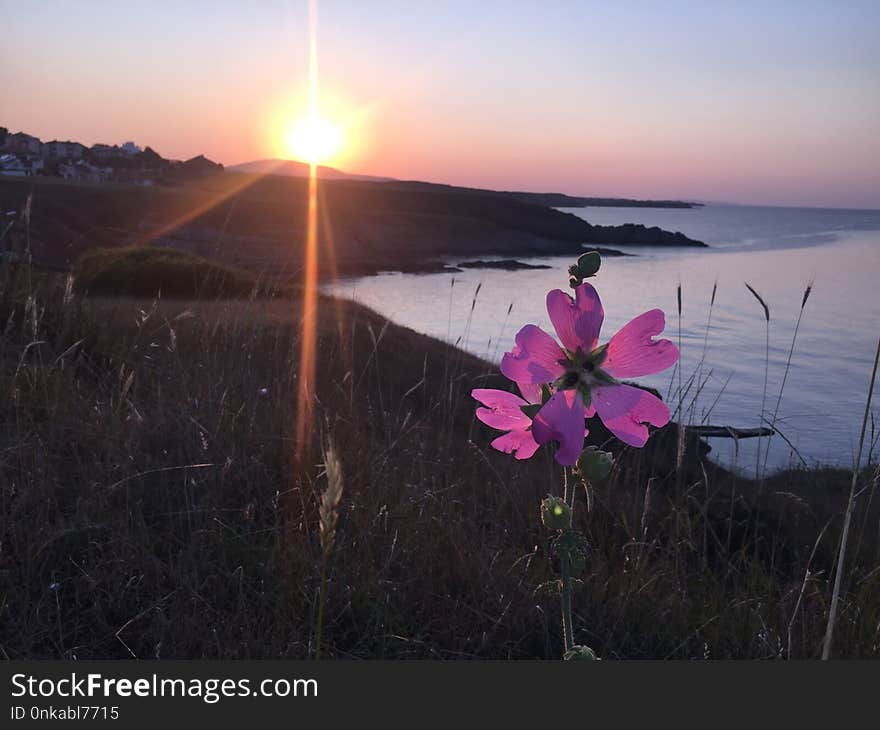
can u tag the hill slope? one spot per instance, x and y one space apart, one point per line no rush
258 223
294 168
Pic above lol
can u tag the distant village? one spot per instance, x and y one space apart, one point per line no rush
24 155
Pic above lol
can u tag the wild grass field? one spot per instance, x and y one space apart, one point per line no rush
152 506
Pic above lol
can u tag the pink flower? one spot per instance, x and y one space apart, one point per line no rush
585 377
508 412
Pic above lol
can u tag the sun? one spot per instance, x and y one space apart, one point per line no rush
314 139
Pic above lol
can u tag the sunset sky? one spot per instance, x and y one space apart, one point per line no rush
762 102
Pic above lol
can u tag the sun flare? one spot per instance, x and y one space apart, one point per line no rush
314 140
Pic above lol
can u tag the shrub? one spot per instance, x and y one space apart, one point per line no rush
148 271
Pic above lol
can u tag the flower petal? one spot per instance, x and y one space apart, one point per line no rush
577 321
562 419
520 443
625 409
633 352
535 357
531 392
503 411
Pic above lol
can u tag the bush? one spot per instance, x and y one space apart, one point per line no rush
148 271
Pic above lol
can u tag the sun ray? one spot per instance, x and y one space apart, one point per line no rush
240 185
306 374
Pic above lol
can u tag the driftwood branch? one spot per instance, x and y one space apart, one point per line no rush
730 432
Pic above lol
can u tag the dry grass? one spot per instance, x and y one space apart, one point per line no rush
151 508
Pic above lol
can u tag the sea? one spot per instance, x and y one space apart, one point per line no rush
812 387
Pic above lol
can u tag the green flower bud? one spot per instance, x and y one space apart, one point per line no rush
555 514
580 653
594 465
588 264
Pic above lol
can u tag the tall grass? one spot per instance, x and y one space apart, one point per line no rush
766 371
145 466
847 520
328 518
773 419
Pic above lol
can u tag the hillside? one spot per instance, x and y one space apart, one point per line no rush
258 222
292 168
151 506
552 200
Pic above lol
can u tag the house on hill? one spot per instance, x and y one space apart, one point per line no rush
104 151
23 144
82 170
19 165
56 150
12 165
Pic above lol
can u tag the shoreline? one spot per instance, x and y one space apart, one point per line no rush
448 267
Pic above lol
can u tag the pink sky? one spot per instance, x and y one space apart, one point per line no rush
749 104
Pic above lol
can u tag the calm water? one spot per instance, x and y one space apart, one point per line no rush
777 250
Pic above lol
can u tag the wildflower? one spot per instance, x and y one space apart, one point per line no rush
585 376
508 412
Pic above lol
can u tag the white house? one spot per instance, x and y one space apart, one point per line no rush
20 166
12 165
82 170
23 144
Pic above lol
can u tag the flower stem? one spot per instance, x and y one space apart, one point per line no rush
565 592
